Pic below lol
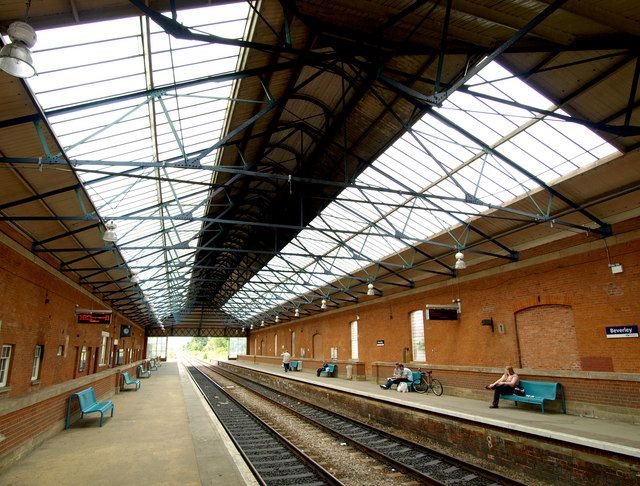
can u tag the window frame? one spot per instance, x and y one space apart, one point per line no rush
104 345
415 337
355 351
5 364
38 352
82 361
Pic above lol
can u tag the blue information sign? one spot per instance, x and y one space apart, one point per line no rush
622 331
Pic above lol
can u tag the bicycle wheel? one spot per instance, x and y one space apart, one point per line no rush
436 386
420 386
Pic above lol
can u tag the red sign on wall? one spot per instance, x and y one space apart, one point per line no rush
94 318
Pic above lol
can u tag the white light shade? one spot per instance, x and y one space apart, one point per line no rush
261 323
296 313
134 279
251 326
15 59
323 305
277 318
370 290
460 265
110 235
22 32
459 256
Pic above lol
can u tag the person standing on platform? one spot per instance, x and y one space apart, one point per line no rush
505 385
405 376
286 361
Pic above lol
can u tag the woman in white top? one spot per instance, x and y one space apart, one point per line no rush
504 385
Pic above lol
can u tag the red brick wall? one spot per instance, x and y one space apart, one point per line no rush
544 350
28 422
542 460
581 282
575 278
37 308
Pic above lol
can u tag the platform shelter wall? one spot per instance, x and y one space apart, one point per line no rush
549 311
38 307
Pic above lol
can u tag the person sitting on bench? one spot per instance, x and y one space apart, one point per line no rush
322 368
503 385
405 376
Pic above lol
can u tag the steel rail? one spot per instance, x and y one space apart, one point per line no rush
482 476
322 474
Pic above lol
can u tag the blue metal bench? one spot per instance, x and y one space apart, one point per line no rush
142 373
415 376
537 392
295 366
88 404
152 364
127 380
329 371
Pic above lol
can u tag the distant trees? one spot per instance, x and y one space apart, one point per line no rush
208 348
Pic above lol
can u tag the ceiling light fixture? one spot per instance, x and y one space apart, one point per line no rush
460 264
370 289
134 279
277 319
15 58
110 235
261 323
323 304
296 312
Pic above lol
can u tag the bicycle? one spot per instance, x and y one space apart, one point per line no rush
427 382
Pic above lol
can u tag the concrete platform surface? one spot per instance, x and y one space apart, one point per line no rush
608 435
161 434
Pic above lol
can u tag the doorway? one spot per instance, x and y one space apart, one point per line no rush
317 347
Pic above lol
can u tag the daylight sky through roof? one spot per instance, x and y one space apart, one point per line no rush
154 206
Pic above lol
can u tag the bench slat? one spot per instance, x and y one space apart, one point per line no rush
537 392
88 404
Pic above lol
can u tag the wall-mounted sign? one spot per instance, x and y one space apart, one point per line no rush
380 342
622 331
442 312
94 317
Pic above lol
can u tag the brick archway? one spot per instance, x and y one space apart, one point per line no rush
547 338
317 346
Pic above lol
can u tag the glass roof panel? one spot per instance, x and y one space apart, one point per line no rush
96 61
447 167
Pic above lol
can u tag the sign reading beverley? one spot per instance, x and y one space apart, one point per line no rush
622 331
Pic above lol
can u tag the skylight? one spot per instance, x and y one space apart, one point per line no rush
448 168
153 207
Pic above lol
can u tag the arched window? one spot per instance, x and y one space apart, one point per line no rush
417 336
354 340
293 343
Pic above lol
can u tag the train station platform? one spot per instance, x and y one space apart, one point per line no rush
598 434
162 434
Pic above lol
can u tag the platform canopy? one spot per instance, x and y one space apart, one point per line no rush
265 161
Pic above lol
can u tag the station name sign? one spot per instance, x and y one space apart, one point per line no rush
622 331
442 312
86 316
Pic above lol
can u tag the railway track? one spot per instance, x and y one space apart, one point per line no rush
273 460
426 465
